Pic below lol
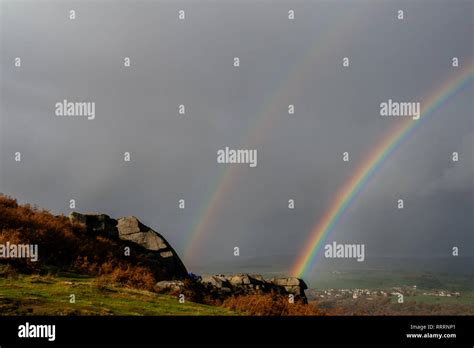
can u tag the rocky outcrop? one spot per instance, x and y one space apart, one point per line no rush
169 268
141 238
222 286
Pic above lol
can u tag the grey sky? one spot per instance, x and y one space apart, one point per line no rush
282 62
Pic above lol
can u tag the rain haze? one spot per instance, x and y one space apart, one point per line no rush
282 62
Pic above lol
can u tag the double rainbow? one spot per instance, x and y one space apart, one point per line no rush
329 39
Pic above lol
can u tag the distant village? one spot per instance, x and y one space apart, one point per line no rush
371 294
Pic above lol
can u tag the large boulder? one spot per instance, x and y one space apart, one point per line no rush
215 281
129 228
292 285
169 285
141 238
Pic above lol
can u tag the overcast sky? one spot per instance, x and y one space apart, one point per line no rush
282 62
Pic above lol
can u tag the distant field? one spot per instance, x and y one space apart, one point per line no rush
464 299
38 295
386 280
376 279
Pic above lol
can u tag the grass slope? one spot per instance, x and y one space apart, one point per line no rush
47 295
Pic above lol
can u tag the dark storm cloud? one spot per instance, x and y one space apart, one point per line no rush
282 62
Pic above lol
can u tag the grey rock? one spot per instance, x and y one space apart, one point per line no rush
129 228
213 280
291 281
239 284
165 261
166 285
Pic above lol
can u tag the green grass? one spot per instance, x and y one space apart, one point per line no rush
464 299
47 295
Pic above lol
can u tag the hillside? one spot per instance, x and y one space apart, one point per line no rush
119 267
51 295
65 245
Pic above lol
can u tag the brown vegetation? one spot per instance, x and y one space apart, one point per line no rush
68 247
269 305
386 306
